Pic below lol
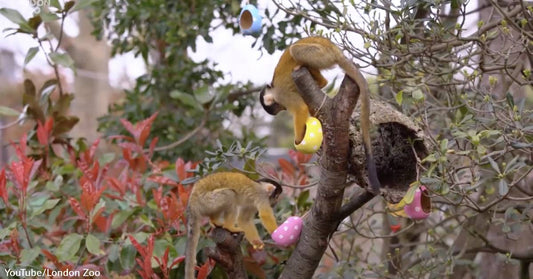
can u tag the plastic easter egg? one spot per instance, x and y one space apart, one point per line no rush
416 204
420 207
250 20
288 233
313 136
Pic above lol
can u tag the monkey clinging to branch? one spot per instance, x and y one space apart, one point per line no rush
316 54
229 198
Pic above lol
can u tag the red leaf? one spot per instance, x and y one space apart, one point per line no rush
395 228
20 148
76 207
286 167
205 269
3 189
177 261
93 148
140 130
144 127
180 169
299 157
163 180
44 131
119 186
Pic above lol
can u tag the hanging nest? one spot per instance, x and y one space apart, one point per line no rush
397 142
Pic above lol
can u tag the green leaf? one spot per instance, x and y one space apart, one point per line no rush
186 99
494 165
49 204
81 4
510 99
503 187
120 218
113 252
93 245
69 5
62 59
31 53
48 87
55 4
444 146
399 97
203 95
302 199
48 17
410 195
13 16
35 21
69 246
418 95
127 257
97 208
27 256
7 111
7 231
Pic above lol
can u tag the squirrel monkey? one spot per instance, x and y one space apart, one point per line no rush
315 53
228 198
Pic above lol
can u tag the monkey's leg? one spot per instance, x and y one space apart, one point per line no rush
318 77
230 218
218 204
314 55
300 115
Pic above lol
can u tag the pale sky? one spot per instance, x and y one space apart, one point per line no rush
232 53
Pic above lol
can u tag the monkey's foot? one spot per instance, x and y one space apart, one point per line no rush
258 244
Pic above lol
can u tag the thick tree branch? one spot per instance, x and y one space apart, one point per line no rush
227 252
323 218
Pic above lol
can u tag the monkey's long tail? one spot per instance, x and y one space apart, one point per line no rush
364 98
193 235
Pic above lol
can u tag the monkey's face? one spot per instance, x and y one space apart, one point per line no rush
266 97
274 195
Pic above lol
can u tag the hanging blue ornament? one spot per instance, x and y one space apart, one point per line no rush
250 20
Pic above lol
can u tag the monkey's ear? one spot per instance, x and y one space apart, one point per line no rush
273 187
267 101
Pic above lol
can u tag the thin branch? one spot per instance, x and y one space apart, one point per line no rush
187 136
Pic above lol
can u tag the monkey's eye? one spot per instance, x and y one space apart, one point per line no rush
269 86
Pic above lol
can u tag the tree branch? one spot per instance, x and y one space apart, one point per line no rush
227 252
323 218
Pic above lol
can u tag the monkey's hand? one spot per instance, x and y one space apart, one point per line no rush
258 244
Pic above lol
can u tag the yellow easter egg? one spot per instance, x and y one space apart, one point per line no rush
313 136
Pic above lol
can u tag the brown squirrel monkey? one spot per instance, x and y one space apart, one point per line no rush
229 198
315 53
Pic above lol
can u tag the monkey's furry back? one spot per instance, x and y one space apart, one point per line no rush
215 181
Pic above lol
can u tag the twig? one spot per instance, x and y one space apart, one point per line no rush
187 136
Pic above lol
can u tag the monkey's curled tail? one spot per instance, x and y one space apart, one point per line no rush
193 235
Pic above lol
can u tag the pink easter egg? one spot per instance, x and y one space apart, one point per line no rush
288 233
421 206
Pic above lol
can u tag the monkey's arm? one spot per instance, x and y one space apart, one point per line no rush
300 114
266 214
246 223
